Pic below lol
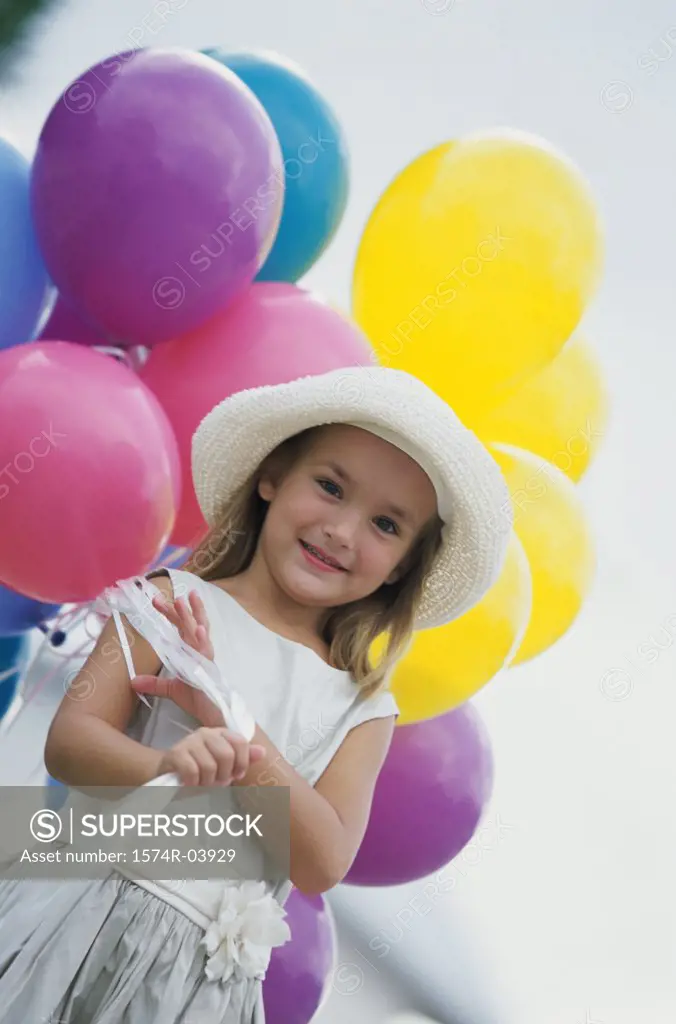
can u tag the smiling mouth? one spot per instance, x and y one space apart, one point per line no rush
323 558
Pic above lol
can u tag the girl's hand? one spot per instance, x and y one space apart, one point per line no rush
210 757
191 700
190 619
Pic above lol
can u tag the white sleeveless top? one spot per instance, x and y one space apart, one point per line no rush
304 705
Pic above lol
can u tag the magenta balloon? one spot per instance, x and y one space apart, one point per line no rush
429 798
298 971
271 334
157 189
65 325
91 477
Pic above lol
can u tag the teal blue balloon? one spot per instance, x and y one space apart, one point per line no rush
316 163
14 656
25 288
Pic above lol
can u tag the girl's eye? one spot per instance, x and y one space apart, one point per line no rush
380 519
330 484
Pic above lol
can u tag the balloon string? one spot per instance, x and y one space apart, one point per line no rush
21 702
61 623
138 355
72 617
120 354
133 357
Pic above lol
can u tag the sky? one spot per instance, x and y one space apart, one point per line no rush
570 918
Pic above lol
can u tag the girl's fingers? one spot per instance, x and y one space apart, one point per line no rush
190 620
185 618
198 610
190 627
224 754
206 762
156 686
201 636
187 768
167 609
241 748
178 613
203 643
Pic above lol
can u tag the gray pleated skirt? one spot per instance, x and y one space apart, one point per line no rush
106 951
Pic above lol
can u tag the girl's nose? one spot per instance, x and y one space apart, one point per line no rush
344 530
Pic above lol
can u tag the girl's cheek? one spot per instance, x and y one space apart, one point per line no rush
373 565
305 505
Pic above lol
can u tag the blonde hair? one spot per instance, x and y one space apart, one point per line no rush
349 629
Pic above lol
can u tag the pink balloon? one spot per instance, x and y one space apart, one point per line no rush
91 477
65 324
272 334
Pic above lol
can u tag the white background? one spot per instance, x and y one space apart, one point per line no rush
570 917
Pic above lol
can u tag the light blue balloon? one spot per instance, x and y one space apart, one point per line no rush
25 287
172 557
55 794
316 162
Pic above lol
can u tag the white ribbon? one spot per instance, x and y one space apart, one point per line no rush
133 598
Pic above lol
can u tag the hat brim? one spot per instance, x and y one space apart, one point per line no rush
234 438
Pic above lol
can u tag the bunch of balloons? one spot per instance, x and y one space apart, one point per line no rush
473 272
174 199
174 202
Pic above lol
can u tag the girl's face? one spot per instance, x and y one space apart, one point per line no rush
353 500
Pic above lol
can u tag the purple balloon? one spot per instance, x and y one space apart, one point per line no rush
431 792
296 978
157 189
65 325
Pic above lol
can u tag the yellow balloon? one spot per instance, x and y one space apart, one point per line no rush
560 413
476 264
445 666
549 521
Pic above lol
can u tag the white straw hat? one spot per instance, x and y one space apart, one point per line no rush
472 497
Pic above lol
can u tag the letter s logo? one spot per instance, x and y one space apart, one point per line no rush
46 826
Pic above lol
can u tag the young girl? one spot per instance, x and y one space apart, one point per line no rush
341 507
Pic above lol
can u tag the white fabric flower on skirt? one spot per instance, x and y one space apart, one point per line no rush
249 922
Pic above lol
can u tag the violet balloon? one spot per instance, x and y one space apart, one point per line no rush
91 480
64 324
273 333
429 798
157 189
296 979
